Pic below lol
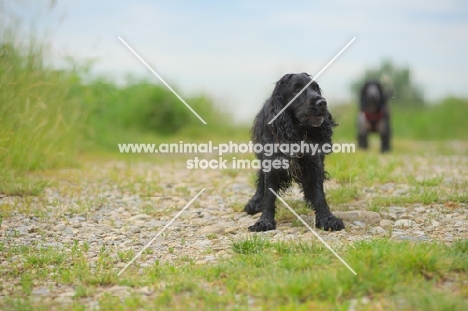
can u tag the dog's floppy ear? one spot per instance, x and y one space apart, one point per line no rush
282 127
327 128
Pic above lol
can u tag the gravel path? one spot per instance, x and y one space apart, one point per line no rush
123 205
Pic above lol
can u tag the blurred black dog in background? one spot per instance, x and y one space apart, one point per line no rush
374 115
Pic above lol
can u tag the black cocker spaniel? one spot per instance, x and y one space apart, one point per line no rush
305 121
374 115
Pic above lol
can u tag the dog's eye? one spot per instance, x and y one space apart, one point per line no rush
297 89
316 87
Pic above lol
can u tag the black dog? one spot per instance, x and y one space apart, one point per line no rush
374 115
306 119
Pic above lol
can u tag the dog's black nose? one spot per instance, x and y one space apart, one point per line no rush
321 103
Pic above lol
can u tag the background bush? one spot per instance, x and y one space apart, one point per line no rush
144 112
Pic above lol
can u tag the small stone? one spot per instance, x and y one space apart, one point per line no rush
396 209
119 291
378 231
397 232
359 223
203 243
68 231
403 223
53 245
32 229
386 223
240 187
387 187
145 290
210 258
310 220
80 218
367 217
392 216
399 192
211 229
63 299
67 294
41 291
22 230
140 217
445 221
232 230
135 229
448 237
422 238
420 209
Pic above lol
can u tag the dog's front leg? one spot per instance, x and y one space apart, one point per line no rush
255 203
267 220
312 183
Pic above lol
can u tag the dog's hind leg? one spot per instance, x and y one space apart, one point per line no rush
385 135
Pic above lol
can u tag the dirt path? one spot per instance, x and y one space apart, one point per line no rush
121 206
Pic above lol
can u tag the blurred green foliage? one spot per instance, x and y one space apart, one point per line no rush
39 120
134 112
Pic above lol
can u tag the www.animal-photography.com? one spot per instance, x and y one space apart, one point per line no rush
237 155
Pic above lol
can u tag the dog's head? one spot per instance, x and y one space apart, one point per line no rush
372 100
306 116
309 108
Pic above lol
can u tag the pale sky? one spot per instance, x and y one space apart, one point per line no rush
234 51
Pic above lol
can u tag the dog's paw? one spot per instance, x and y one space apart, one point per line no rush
329 223
253 207
262 225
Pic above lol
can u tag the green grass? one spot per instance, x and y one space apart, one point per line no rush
39 120
18 184
262 274
283 214
344 194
